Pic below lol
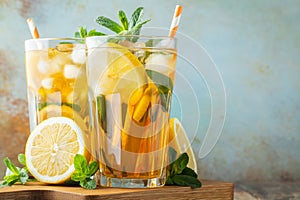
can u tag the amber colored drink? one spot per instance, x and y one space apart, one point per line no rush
130 83
56 80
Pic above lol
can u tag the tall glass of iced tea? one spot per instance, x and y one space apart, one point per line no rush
56 81
130 81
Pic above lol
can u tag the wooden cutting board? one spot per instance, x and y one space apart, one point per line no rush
216 190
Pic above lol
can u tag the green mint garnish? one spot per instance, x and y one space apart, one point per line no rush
124 27
82 175
16 174
83 33
123 19
83 172
74 106
101 110
164 85
179 174
110 24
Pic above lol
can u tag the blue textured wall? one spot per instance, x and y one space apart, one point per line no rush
255 45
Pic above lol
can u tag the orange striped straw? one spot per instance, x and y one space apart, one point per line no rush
175 21
33 30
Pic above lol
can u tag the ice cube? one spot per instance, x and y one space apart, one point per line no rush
47 83
43 66
159 63
141 52
78 55
71 71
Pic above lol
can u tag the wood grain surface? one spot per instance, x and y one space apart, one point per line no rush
216 190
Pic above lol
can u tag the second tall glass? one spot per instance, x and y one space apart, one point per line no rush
130 81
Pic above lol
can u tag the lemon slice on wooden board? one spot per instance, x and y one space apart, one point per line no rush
51 147
179 141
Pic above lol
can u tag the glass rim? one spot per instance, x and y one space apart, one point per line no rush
128 36
44 43
98 41
53 39
102 36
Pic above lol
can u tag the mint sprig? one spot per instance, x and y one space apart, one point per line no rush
16 174
179 174
123 27
83 33
84 172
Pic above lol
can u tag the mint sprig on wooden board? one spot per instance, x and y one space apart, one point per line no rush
123 27
179 174
83 174
16 174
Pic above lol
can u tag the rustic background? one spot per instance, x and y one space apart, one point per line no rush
255 45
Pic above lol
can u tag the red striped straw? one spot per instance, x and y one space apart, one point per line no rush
33 30
175 21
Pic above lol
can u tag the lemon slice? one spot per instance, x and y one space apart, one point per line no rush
64 111
121 72
51 147
179 141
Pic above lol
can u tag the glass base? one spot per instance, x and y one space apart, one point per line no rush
131 183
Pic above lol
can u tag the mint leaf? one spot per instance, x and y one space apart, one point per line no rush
3 184
136 16
78 176
23 176
92 168
83 173
22 159
185 180
110 24
101 109
169 181
137 28
181 163
11 179
123 19
82 32
94 33
160 79
80 165
188 171
164 85
88 184
179 174
11 166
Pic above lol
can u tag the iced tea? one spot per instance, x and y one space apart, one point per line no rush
56 80
130 82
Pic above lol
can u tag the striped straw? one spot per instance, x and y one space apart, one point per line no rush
33 30
175 21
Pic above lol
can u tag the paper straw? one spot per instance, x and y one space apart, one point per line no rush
33 30
175 21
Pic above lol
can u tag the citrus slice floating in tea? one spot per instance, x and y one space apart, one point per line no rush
123 72
51 147
53 110
179 141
